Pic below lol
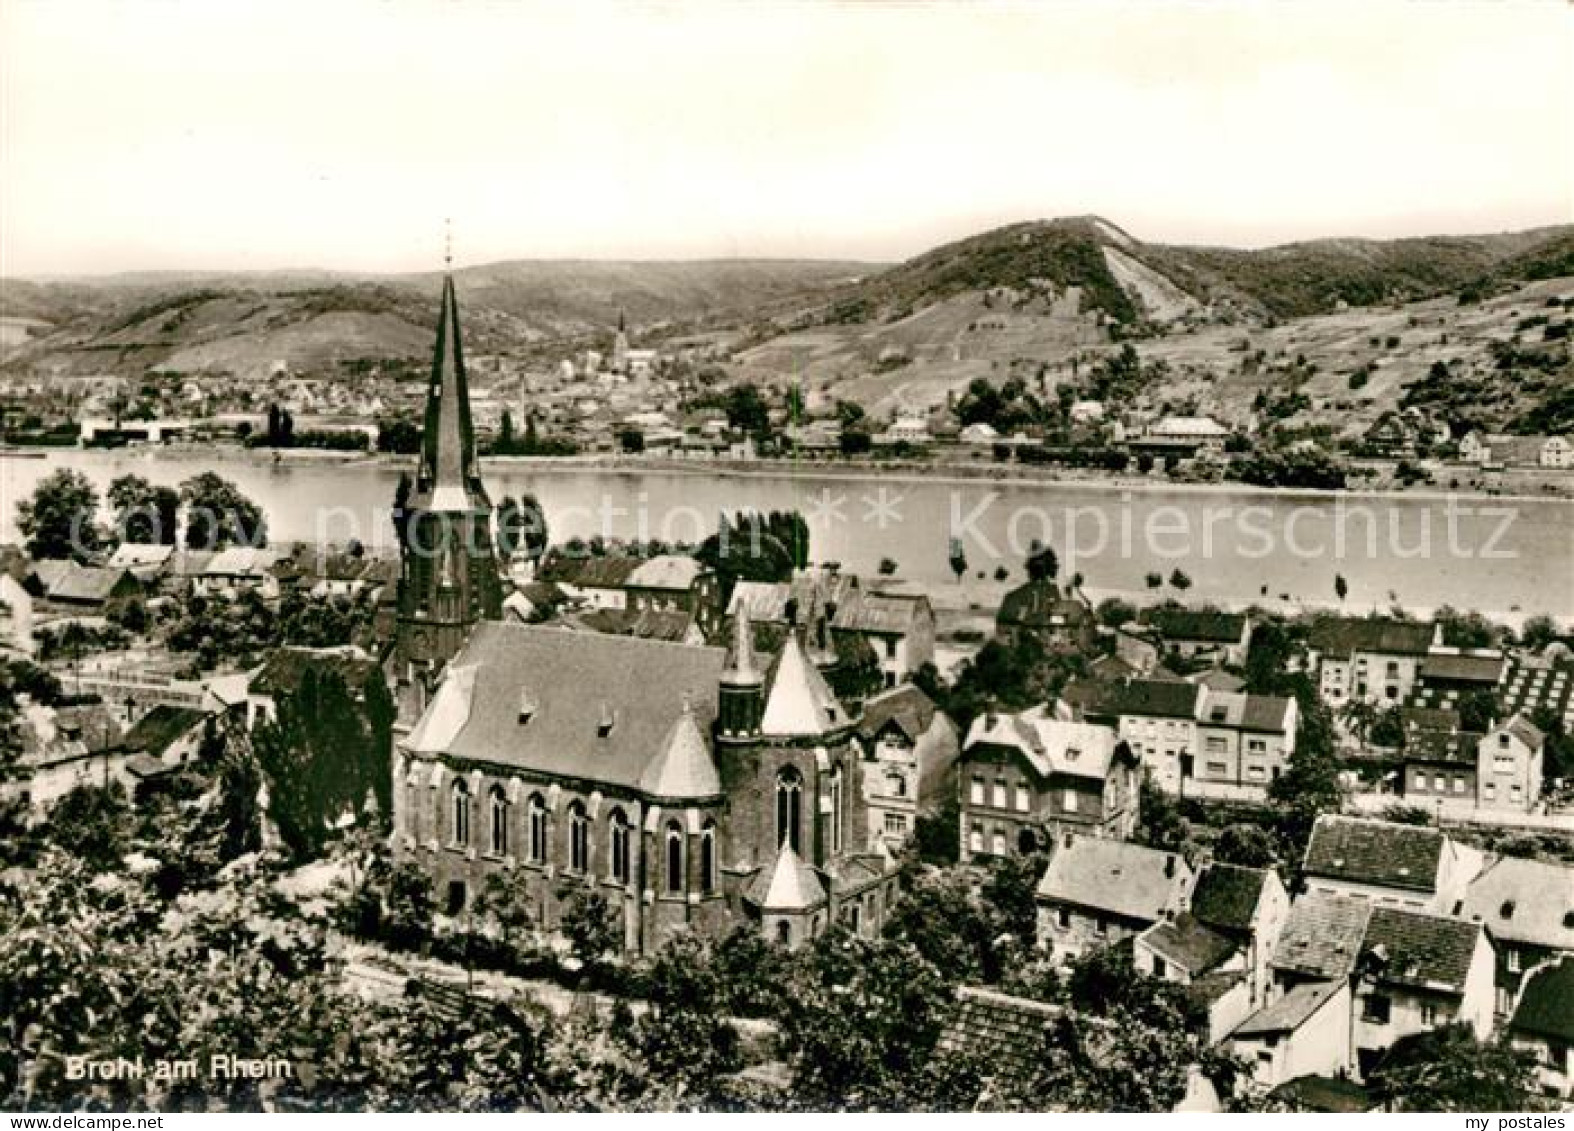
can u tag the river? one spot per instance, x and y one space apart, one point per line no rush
1502 556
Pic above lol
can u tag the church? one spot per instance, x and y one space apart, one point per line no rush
696 788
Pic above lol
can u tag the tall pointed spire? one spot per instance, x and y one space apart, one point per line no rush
448 457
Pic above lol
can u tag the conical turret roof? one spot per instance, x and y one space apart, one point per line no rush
788 884
799 701
683 768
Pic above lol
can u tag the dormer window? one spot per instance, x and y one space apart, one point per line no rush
1072 753
1507 910
605 720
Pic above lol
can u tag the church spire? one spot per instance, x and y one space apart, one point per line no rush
448 457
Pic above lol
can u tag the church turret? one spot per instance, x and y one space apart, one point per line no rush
449 576
742 692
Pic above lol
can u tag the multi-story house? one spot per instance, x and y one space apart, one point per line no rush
1388 863
1247 906
1527 908
1543 1025
1439 770
1449 675
1417 971
1039 611
1245 739
1207 633
1374 660
664 583
1187 732
1157 718
910 751
1190 953
1303 1032
1508 766
1096 892
898 624
1028 777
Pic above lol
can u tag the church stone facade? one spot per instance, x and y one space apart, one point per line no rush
696 788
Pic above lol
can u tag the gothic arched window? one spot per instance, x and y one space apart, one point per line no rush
838 794
459 814
619 836
708 857
497 806
789 807
674 856
536 819
578 838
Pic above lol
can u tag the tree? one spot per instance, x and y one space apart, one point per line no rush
1448 1069
1538 632
592 928
1153 580
1180 581
505 437
888 567
218 515
1112 612
532 526
401 507
58 519
684 1039
1042 564
957 558
1250 846
144 513
1341 587
1478 710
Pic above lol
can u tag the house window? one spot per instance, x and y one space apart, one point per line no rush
1023 801
578 838
1376 1009
975 791
1218 769
1511 956
783 933
1428 1014
890 648
708 858
497 805
896 783
998 799
1068 800
1256 773
674 857
975 839
1217 745
459 814
1063 918
1439 784
1158 967
618 826
789 807
1459 783
1489 791
997 841
1100 927
536 818
895 824
1257 745
837 817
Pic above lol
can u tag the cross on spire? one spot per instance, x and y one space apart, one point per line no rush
448 242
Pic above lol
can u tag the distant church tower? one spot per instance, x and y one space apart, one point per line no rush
448 577
620 346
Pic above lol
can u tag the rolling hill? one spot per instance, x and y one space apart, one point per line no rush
243 322
1329 332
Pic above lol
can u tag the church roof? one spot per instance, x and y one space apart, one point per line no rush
788 884
799 701
574 705
684 768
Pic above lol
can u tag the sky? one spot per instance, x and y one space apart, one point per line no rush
204 134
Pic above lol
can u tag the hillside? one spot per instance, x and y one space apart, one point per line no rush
243 322
1329 333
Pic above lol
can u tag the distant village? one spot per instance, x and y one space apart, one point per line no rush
1330 836
689 399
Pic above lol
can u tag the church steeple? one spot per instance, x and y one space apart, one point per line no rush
449 577
448 471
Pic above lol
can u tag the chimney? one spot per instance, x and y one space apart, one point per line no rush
1169 867
790 610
